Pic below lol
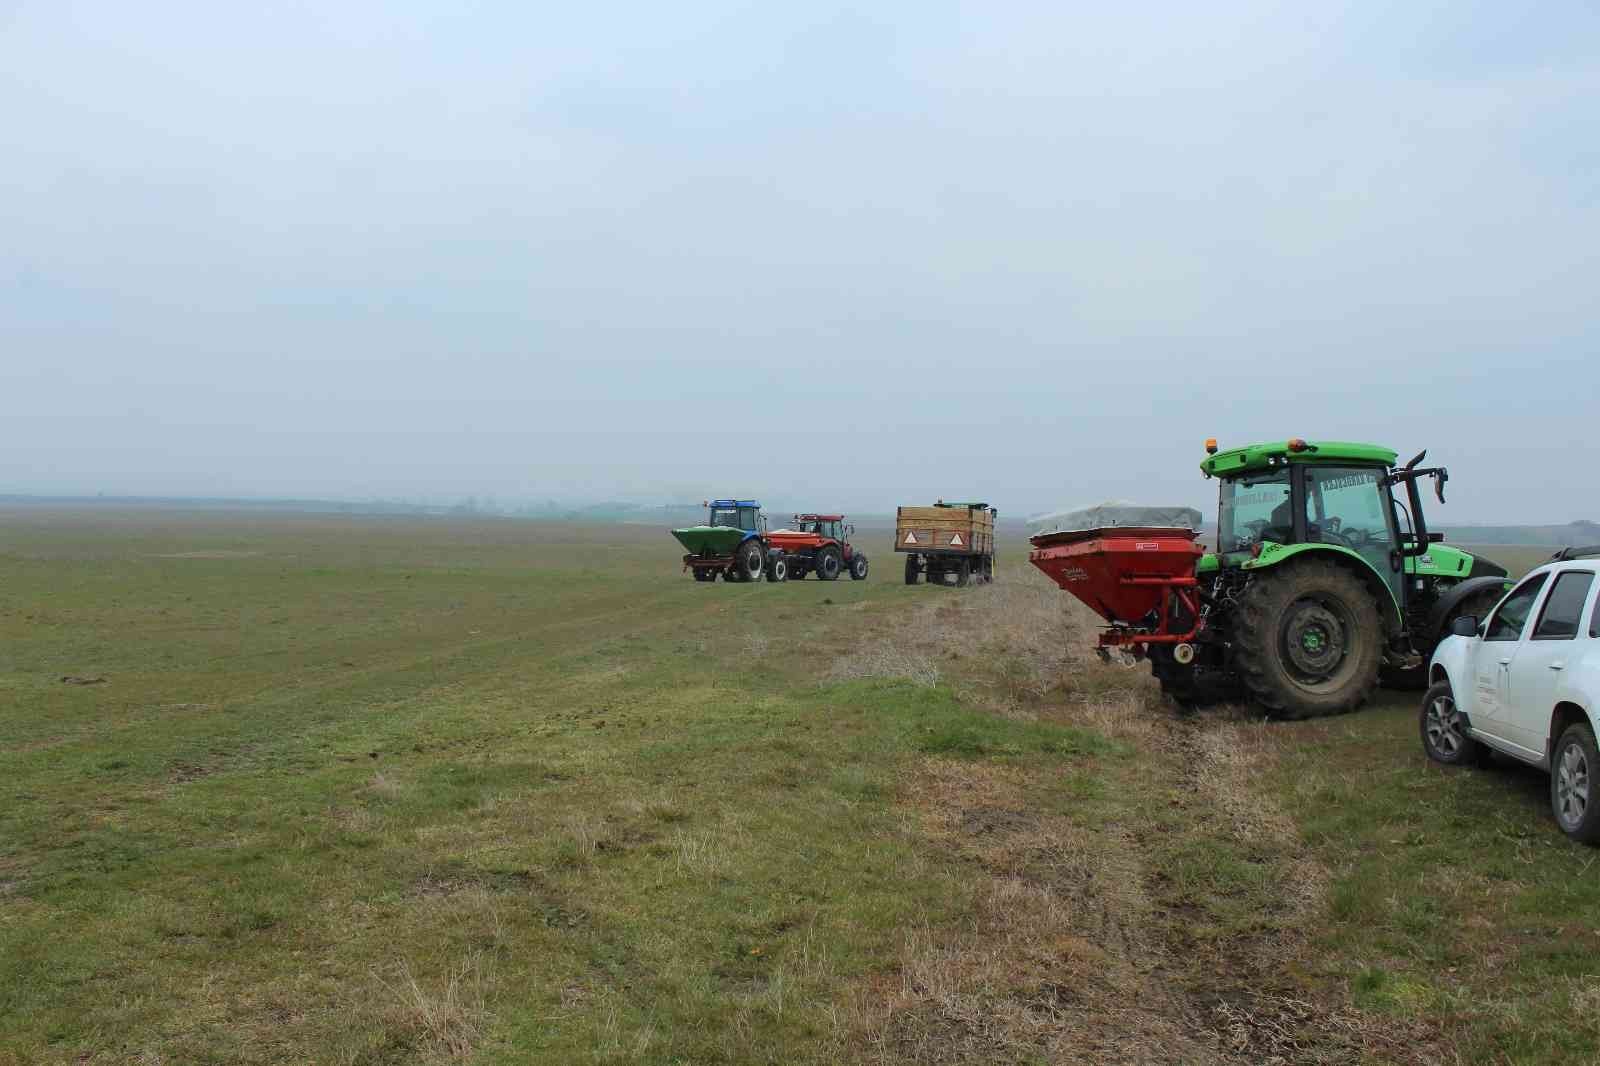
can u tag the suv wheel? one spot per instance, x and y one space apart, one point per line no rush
1573 794
1444 734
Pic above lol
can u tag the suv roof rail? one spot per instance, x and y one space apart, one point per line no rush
1577 553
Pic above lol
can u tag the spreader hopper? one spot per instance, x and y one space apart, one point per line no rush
1133 566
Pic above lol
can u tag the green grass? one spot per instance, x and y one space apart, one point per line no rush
385 790
374 790
1454 894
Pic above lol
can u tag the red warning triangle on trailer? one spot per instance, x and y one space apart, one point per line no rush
956 541
911 536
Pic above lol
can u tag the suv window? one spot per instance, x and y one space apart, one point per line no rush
1513 614
1563 608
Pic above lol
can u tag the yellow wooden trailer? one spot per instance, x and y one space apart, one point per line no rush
945 542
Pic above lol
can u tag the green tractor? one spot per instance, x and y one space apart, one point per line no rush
1321 583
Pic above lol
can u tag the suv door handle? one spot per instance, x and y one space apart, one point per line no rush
1505 662
1558 666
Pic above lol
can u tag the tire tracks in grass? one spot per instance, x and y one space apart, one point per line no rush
1149 909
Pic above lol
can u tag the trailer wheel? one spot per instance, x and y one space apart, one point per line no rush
747 561
963 572
703 574
912 570
858 567
988 570
777 568
1309 639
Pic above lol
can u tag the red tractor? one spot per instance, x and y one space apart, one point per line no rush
818 543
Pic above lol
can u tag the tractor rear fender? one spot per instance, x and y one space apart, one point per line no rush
1278 554
1457 594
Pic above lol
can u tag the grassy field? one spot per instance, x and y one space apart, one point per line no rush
385 790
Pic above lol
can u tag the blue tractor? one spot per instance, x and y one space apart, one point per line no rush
733 543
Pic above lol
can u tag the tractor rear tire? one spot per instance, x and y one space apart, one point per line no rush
828 564
912 570
1308 639
748 561
858 567
777 568
963 573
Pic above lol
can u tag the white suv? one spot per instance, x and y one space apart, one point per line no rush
1526 683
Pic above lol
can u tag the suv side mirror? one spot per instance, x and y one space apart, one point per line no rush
1465 625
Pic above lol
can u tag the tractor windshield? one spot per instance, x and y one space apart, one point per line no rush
1255 508
725 516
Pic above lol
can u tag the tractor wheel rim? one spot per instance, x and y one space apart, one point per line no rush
1572 785
1315 639
1444 726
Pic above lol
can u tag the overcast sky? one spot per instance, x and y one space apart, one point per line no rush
834 255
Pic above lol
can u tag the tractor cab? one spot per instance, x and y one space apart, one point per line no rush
1283 498
734 514
827 526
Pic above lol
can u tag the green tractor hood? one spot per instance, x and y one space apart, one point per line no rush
710 540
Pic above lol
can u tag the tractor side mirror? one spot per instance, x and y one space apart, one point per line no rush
1464 625
849 531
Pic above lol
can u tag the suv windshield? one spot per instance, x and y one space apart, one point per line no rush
1255 508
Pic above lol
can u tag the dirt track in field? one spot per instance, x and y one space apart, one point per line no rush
1097 937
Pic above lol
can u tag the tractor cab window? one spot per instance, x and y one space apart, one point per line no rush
1253 509
1345 506
830 530
734 517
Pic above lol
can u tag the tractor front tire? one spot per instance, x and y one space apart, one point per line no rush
858 567
1308 640
912 570
748 561
1415 679
828 564
777 568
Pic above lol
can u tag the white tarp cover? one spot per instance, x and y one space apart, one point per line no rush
1114 513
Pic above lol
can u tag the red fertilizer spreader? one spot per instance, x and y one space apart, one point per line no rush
1134 566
